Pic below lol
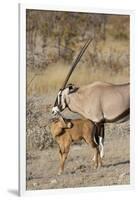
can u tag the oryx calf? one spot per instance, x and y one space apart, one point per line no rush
64 131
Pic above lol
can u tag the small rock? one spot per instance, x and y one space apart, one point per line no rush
122 175
35 184
72 172
53 181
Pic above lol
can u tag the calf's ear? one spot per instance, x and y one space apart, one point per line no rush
69 125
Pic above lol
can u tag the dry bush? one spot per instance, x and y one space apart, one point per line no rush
37 118
52 36
118 27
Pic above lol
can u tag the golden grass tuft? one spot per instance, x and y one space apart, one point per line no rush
52 78
114 71
47 80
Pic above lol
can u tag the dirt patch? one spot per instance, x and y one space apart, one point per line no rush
43 160
42 166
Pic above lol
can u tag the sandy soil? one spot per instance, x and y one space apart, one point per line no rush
42 166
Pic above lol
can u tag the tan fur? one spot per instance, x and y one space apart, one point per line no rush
98 101
75 130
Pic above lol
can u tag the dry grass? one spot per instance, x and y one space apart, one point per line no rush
53 78
42 166
109 63
47 80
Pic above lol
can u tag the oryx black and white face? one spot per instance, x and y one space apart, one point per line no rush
60 103
62 99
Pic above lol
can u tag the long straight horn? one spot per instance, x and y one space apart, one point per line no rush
76 61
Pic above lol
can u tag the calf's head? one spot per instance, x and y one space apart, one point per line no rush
58 125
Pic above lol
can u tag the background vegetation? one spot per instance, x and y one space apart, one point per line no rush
55 38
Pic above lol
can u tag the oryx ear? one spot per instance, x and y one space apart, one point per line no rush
72 88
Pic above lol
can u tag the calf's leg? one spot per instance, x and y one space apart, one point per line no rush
63 153
95 157
90 140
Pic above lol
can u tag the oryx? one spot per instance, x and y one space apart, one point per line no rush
99 102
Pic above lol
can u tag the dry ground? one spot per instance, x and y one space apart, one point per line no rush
42 166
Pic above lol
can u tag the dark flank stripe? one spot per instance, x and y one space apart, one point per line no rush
122 115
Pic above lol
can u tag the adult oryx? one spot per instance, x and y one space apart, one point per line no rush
99 102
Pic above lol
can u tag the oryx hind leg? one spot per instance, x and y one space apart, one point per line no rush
101 141
95 158
94 145
101 145
98 139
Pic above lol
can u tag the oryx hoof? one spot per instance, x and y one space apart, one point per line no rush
100 165
95 165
